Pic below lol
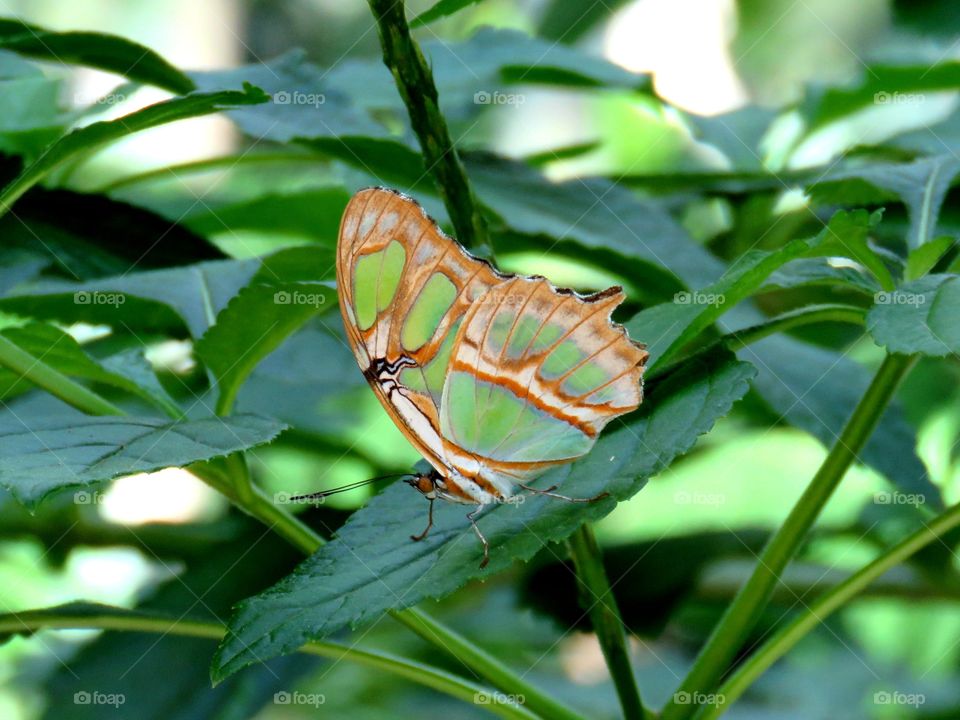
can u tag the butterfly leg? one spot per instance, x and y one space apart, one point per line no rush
550 493
471 516
421 536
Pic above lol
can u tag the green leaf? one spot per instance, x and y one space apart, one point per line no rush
254 324
373 561
313 213
847 235
128 372
820 271
468 73
40 455
92 236
567 21
593 213
922 186
97 50
140 299
814 389
304 103
442 9
128 663
99 133
678 323
880 85
32 116
922 259
923 316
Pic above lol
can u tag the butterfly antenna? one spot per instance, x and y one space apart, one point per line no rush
344 488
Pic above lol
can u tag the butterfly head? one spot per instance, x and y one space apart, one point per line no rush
432 486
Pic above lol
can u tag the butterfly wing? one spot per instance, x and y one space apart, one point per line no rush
534 375
404 288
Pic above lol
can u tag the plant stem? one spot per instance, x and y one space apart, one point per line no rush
423 674
741 615
229 476
414 80
460 648
596 597
808 315
484 664
789 635
34 370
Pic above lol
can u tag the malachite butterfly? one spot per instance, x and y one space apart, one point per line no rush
494 378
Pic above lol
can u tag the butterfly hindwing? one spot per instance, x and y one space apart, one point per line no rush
534 375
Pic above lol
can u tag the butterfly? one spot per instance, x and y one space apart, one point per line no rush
493 378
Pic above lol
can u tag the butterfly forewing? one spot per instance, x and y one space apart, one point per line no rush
404 288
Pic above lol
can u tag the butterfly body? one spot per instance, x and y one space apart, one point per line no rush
493 378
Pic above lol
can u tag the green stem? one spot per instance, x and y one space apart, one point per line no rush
808 315
741 615
484 664
414 80
34 370
788 636
434 632
423 674
596 597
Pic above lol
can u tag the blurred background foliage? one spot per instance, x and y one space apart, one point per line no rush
716 113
